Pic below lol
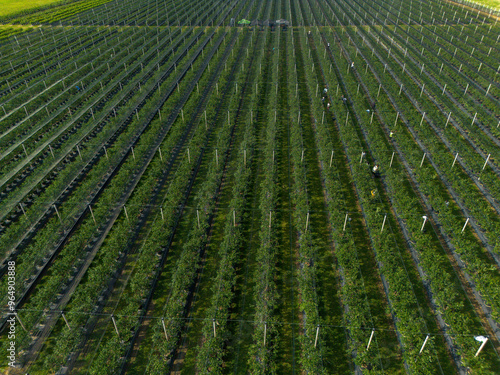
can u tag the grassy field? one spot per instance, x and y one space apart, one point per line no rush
8 7
490 3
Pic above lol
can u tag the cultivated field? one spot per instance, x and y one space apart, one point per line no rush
314 191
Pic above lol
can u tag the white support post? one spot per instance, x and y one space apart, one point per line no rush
466 221
383 223
307 220
397 116
189 156
422 120
474 119
331 159
21 323
164 328
423 345
392 158
159 151
213 323
486 162
423 224
133 153
361 158
370 341
270 216
65 320
57 212
106 152
454 160
161 212
345 222
126 213
323 118
302 157
481 347
114 323
423 158
234 218
206 124
488 90
317 334
422 91
22 209
466 88
447 120
92 213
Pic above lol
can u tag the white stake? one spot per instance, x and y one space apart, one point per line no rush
22 209
307 221
57 212
345 222
397 116
361 158
213 322
234 218
164 328
126 213
444 89
62 313
92 213
466 221
189 156
114 323
486 162
423 345
425 219
265 333
302 157
474 119
133 153
383 223
454 160
466 87
317 334
422 162
392 158
106 152
370 341
422 120
481 347
331 159
447 120
21 323
161 212
270 219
